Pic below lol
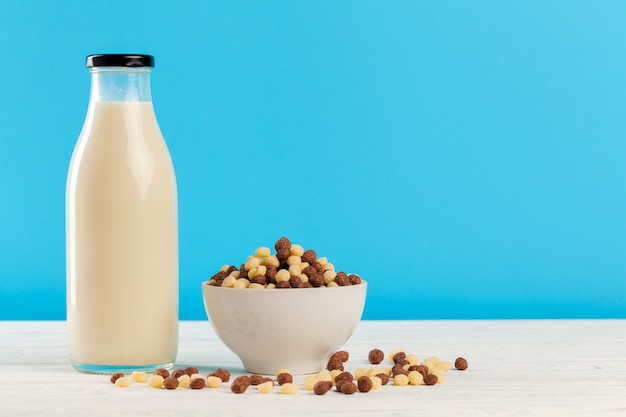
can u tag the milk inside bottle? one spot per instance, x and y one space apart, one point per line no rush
121 227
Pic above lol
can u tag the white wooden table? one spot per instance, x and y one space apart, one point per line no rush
516 368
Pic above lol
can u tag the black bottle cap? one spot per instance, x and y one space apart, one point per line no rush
120 60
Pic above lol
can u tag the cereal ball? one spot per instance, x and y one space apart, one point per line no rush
460 364
430 379
288 388
306 285
284 378
342 355
347 387
376 382
354 279
191 370
163 372
178 373
270 274
170 382
295 281
384 378
322 387
365 384
401 380
309 382
156 381
138 376
422 369
222 374
283 284
376 356
283 242
265 387
183 380
256 379
415 378
122 382
342 279
309 256
197 383
316 280
259 279
318 266
213 382
398 369
283 254
240 384
116 376
400 356
334 363
344 376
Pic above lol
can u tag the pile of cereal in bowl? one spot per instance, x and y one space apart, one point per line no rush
290 267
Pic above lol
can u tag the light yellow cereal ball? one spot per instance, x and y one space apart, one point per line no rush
401 380
323 260
329 276
283 371
332 284
122 382
266 387
334 373
183 381
288 388
412 359
324 376
282 275
257 286
137 376
252 262
415 378
271 261
444 365
376 382
229 281
213 382
309 382
155 381
270 286
359 372
294 260
295 270
224 268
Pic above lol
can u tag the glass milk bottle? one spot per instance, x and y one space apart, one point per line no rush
122 227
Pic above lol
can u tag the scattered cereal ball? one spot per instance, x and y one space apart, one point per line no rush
197 383
163 372
376 382
122 382
256 379
412 359
178 373
222 374
138 376
359 372
376 356
342 355
344 376
384 378
398 369
266 387
309 382
334 363
156 381
422 369
288 388
282 371
415 378
401 380
116 376
322 387
170 382
399 356
328 376
430 379
439 373
213 382
444 365
190 370
347 387
460 364
240 384
365 384
183 380
392 353
284 378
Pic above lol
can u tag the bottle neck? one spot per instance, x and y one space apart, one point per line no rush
120 84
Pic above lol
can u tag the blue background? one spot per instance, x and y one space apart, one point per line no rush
466 158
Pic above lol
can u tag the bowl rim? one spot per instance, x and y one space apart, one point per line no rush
342 288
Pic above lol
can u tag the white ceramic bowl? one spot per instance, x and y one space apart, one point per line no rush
293 328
